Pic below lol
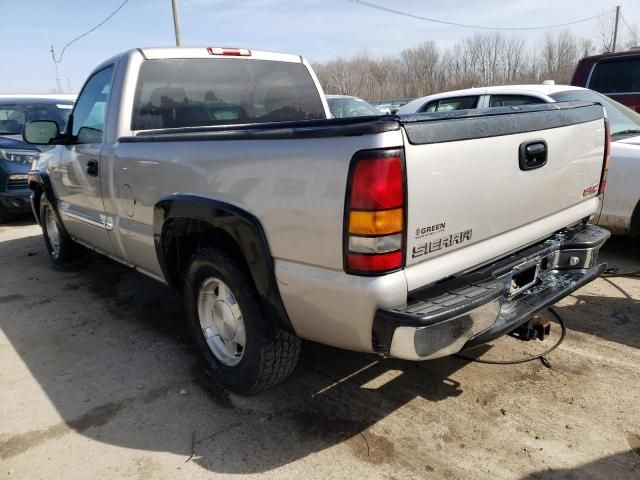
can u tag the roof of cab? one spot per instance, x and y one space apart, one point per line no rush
201 52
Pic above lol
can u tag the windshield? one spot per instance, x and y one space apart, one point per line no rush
621 119
13 116
351 107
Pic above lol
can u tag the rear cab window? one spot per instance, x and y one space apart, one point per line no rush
620 75
175 93
448 104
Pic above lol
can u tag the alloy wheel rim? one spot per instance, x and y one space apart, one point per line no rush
53 233
221 321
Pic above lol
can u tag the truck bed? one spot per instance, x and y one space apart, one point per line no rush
464 185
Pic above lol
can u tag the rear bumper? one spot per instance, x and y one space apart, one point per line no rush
475 308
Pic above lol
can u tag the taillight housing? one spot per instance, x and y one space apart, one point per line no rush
607 156
375 213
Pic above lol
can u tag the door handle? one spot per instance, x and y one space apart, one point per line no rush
533 155
92 168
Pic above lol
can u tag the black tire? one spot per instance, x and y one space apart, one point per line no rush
269 355
68 253
634 230
5 215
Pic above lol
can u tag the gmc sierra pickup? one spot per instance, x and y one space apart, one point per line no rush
220 172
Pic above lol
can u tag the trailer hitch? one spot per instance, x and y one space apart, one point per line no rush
537 327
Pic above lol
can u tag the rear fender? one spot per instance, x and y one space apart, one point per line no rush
237 224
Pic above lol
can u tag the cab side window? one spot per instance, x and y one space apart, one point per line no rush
91 108
448 104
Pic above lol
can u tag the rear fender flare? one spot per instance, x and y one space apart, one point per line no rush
241 226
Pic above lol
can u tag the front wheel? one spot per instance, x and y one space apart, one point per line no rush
62 251
247 352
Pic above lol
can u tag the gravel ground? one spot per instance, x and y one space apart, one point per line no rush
98 379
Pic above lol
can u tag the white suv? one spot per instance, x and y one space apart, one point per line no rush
620 211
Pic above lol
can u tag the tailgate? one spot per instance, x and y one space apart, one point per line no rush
476 175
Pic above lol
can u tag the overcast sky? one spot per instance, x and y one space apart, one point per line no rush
316 29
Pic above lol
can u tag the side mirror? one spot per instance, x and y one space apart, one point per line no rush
89 135
40 132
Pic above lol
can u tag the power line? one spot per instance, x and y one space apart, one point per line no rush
480 27
89 31
624 20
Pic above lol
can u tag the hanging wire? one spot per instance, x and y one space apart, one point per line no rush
481 27
91 30
624 20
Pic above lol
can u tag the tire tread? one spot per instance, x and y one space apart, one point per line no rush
279 350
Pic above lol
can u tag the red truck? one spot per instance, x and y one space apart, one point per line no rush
616 75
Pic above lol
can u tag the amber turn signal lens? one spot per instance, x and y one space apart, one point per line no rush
381 222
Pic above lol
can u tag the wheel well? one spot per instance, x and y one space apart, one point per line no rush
634 228
38 193
181 239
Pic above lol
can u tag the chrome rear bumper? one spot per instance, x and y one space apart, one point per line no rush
480 306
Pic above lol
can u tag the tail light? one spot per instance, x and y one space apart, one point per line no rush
375 213
607 156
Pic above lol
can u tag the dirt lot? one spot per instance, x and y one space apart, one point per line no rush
98 380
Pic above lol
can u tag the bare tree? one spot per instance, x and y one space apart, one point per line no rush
604 32
479 60
632 38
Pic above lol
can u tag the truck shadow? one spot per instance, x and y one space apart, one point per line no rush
617 317
20 220
613 319
622 253
628 461
117 364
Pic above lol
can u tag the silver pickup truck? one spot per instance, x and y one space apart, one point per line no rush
220 172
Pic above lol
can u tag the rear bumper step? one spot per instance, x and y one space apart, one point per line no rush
478 307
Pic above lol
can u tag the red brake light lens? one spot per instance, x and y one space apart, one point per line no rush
375 263
377 184
230 52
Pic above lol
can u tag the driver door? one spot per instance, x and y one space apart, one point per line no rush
77 178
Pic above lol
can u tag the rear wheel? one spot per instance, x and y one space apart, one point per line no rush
62 250
247 352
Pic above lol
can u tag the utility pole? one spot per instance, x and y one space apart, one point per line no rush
55 64
615 28
176 22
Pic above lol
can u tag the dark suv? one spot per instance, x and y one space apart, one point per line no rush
15 155
616 75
